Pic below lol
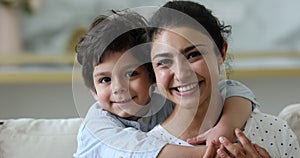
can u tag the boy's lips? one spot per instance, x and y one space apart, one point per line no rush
123 101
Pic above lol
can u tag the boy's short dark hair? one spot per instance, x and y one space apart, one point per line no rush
119 32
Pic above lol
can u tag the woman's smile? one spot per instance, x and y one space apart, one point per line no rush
181 67
186 89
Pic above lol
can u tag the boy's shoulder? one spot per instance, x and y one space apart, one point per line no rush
97 114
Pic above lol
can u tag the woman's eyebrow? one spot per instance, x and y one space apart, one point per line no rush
164 54
189 48
185 50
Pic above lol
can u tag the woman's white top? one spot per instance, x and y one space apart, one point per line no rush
270 132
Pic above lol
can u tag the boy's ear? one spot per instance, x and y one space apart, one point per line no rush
152 88
94 94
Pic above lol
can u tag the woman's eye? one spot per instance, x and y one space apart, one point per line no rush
193 55
164 62
131 74
105 80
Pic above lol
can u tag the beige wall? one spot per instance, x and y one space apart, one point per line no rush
55 100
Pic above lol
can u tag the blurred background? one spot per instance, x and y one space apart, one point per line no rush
37 39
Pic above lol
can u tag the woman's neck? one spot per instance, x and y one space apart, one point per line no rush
188 122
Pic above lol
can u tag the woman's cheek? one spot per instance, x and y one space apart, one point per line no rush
163 77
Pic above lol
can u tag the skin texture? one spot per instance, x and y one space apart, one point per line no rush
185 70
122 90
227 124
187 74
176 69
244 149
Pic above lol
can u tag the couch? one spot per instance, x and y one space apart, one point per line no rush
291 114
38 138
56 138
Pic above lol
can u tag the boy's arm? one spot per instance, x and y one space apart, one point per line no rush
238 105
235 114
103 136
175 151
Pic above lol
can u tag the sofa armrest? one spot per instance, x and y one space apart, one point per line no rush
41 138
291 114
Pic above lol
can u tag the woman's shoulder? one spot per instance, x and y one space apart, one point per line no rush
271 132
266 122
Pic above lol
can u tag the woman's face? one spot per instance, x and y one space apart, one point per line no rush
185 65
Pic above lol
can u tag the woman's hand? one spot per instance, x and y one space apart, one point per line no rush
244 149
211 150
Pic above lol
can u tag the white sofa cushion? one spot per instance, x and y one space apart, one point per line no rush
38 138
291 114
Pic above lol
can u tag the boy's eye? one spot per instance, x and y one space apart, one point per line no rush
105 80
193 55
131 74
164 62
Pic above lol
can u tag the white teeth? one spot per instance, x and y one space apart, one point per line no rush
187 87
125 101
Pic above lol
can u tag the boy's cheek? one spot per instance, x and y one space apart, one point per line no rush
95 96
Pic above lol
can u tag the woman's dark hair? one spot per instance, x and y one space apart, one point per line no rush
167 17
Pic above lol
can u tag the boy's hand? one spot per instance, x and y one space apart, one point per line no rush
200 139
213 134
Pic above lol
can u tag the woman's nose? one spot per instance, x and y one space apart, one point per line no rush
182 70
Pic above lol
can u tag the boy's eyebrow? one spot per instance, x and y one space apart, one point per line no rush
129 66
99 74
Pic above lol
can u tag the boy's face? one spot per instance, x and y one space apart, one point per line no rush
122 85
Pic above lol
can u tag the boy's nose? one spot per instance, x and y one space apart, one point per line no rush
119 90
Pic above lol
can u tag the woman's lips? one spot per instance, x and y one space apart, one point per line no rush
187 89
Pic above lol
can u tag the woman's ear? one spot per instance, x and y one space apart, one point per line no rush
94 94
223 53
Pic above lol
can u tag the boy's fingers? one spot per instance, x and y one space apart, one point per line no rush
197 140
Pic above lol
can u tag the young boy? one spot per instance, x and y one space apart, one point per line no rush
117 70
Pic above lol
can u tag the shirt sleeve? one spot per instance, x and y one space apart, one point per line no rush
273 134
101 135
231 88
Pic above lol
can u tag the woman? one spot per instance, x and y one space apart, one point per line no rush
188 50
